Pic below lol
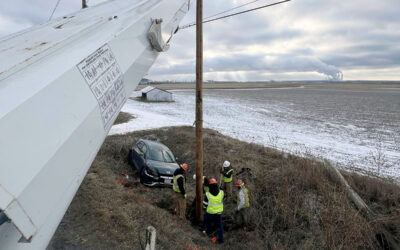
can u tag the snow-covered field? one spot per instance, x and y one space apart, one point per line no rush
349 128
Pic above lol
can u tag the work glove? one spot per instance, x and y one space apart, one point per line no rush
185 196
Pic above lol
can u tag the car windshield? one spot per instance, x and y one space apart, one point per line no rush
160 155
168 156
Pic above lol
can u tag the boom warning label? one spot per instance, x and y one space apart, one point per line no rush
105 79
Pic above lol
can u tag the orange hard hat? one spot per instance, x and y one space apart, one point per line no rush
184 166
239 183
213 181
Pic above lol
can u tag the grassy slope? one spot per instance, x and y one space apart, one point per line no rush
295 202
123 117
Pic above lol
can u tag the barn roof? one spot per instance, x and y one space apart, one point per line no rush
149 88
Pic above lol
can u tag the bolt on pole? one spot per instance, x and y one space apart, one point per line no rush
199 111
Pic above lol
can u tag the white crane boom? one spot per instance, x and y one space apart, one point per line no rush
62 84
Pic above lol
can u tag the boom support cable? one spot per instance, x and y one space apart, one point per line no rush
54 10
234 14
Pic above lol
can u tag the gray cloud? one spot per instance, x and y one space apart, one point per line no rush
309 37
349 35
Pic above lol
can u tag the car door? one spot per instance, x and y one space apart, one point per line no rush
138 155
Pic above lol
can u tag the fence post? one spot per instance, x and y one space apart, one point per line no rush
150 238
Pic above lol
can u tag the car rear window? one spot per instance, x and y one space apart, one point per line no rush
142 147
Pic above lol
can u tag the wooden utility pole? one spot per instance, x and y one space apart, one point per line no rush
84 4
199 111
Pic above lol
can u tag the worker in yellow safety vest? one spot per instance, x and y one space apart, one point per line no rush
243 204
179 187
226 178
215 206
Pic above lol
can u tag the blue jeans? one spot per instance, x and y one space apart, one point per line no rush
211 221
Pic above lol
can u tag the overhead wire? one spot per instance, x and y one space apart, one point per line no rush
54 10
234 14
220 13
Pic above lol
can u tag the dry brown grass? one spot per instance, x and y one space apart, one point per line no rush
295 202
123 117
140 99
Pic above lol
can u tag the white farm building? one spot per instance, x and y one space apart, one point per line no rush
156 95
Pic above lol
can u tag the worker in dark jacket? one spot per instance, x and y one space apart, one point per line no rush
226 178
206 188
179 187
206 184
213 216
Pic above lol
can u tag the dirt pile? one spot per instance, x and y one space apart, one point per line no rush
295 202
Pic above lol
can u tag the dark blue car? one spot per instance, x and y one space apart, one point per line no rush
154 162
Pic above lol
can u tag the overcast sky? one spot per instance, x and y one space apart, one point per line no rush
298 40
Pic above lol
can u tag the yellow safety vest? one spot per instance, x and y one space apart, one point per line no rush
246 198
215 203
175 185
228 179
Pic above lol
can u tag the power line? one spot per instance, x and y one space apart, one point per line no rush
54 10
217 14
231 9
234 14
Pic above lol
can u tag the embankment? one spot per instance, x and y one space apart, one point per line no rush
296 202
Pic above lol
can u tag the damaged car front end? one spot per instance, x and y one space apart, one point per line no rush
154 162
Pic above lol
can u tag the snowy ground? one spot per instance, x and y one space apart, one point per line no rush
285 126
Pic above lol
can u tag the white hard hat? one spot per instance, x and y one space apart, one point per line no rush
226 164
194 177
